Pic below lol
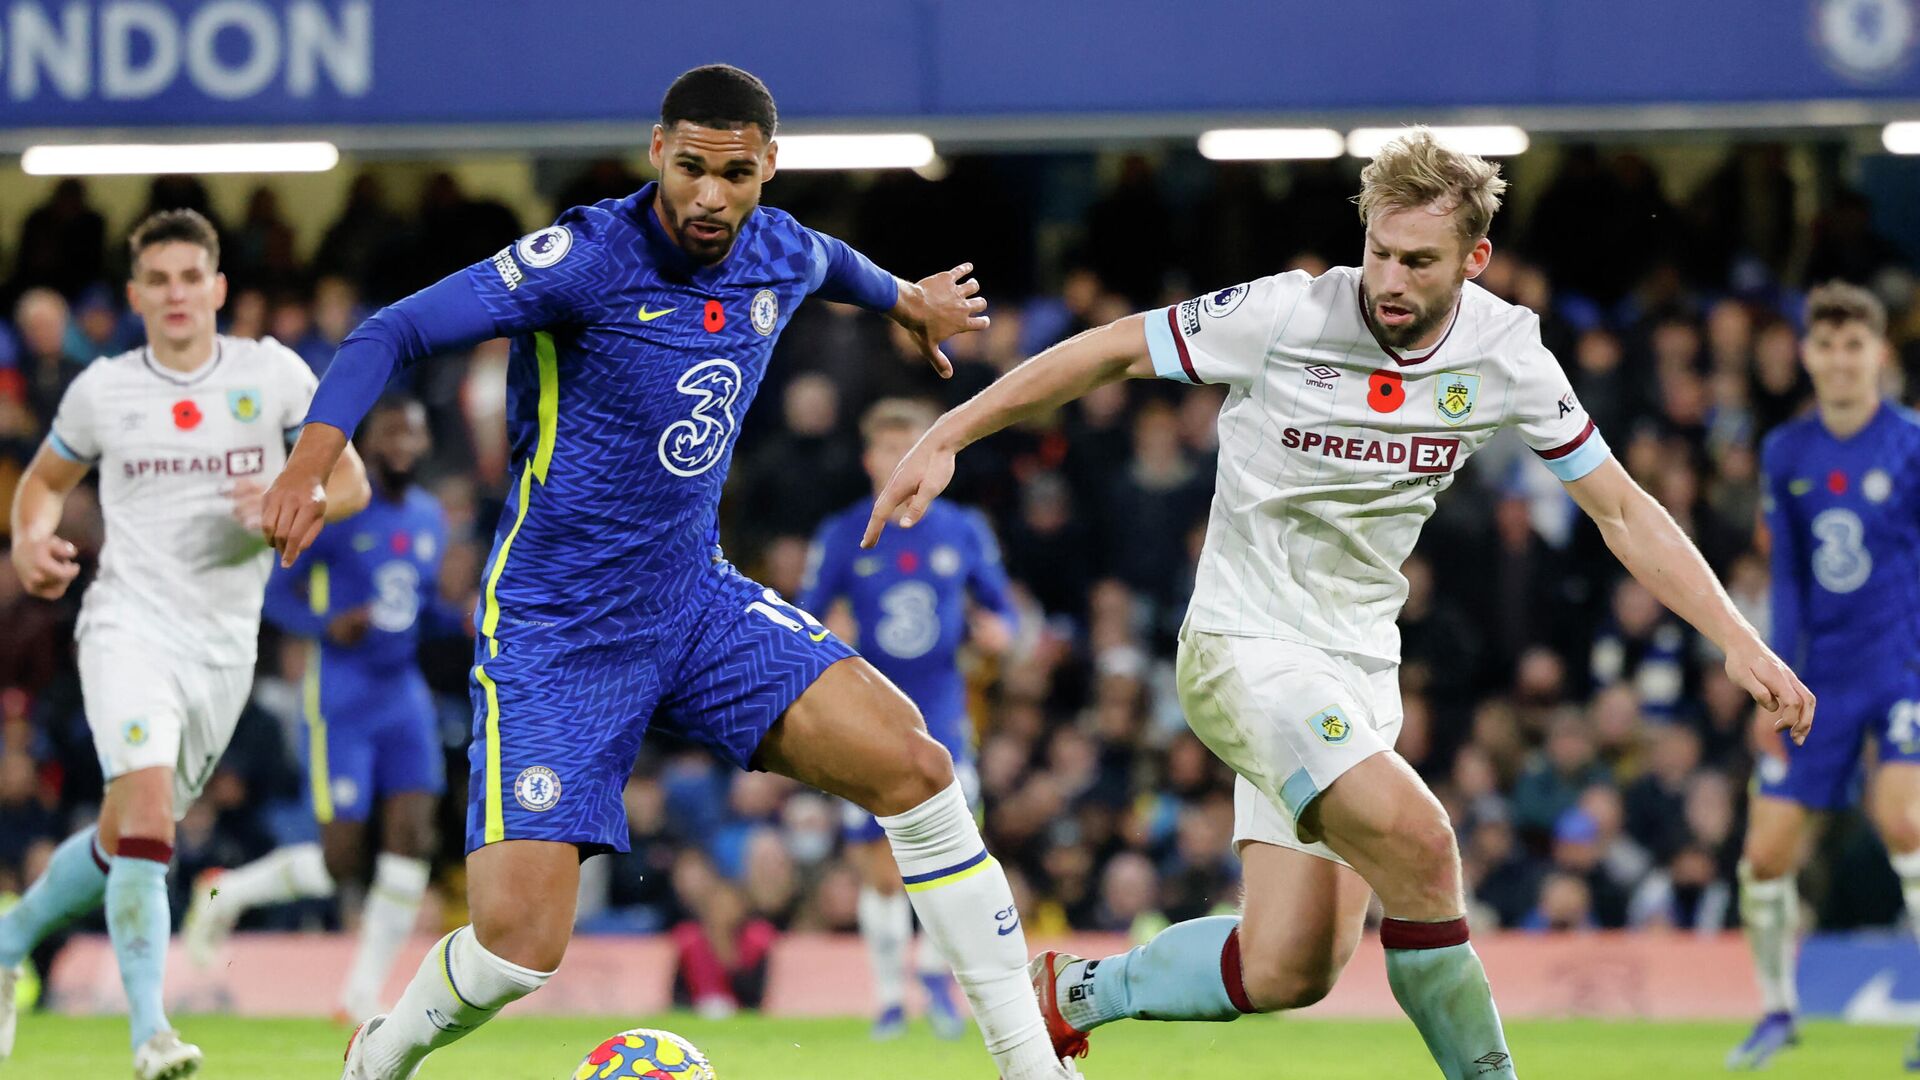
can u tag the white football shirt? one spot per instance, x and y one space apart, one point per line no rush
1334 447
177 569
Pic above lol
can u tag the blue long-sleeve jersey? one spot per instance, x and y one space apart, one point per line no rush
631 368
387 558
909 598
1844 520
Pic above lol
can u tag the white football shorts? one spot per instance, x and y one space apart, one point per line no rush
149 707
1290 719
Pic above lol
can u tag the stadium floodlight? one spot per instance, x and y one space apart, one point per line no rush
901 151
1497 140
1902 137
1271 144
107 159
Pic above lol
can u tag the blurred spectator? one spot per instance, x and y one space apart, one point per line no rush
1686 894
260 252
1565 904
1656 802
1645 646
1130 236
62 244
357 243
1555 776
722 953
801 473
41 319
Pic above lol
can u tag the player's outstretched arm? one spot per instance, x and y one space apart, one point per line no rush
1654 549
44 562
936 308
1069 370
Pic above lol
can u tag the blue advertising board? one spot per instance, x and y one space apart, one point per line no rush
121 63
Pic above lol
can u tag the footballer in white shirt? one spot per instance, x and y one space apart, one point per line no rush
187 431
1353 398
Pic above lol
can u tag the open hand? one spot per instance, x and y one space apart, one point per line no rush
936 308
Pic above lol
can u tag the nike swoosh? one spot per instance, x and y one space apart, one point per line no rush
649 316
1005 930
821 636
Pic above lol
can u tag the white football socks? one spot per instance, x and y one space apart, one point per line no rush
393 901
1770 918
886 926
962 898
460 985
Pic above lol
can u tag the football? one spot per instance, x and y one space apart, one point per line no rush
645 1053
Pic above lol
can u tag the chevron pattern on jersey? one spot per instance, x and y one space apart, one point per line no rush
646 414
719 674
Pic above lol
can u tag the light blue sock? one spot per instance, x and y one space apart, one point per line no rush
1189 971
71 887
1438 980
140 921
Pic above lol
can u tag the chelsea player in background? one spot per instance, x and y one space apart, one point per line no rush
641 328
1842 502
361 594
905 605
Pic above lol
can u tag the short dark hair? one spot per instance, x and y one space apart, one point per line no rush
167 226
719 96
1839 302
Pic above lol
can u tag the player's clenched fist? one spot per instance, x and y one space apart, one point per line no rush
46 565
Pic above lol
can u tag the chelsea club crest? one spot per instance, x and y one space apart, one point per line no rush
537 788
765 311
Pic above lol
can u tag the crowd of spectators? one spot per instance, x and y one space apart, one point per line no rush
1588 745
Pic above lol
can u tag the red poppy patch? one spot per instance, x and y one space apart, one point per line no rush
186 415
1386 391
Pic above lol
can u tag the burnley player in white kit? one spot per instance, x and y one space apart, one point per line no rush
186 431
1353 399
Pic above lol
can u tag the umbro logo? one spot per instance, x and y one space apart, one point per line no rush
1321 377
649 316
1494 1060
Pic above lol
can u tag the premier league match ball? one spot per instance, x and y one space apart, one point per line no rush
647 1054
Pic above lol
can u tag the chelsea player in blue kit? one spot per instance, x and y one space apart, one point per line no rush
909 605
361 593
641 329
1842 503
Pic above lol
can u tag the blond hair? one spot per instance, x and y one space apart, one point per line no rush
897 414
1415 171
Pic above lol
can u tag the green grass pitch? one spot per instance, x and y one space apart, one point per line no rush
752 1048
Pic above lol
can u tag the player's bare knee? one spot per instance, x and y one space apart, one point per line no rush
1276 985
921 770
538 944
1899 832
1769 860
